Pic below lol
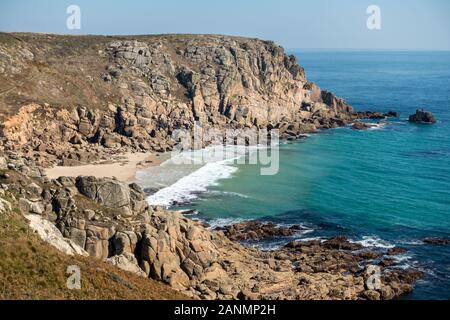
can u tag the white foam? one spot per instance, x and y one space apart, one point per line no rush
413 243
188 212
269 246
229 193
374 242
402 258
222 222
187 188
306 231
210 165
405 262
377 126
311 239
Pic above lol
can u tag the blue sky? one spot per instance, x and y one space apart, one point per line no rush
340 24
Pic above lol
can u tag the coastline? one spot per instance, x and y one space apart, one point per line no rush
341 274
195 260
125 131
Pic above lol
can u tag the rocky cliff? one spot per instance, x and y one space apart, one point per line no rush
74 99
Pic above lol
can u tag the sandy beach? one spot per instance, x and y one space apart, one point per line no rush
123 167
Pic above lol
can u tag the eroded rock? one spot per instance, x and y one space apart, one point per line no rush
256 230
422 116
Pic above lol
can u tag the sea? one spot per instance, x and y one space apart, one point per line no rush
384 187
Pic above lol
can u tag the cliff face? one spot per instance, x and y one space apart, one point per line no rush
63 97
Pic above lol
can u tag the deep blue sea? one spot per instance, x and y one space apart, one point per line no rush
384 187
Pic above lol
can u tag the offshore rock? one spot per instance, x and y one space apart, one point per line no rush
422 116
255 230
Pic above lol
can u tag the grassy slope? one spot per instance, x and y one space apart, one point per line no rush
32 269
65 73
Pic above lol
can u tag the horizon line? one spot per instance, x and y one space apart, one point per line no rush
369 49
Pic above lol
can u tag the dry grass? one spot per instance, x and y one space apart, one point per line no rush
66 72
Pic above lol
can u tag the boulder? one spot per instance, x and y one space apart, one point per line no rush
50 234
387 293
341 243
97 248
371 115
127 262
358 125
385 263
109 141
124 242
107 192
393 114
422 116
372 295
78 236
396 251
4 206
26 206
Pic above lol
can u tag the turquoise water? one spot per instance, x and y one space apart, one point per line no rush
390 186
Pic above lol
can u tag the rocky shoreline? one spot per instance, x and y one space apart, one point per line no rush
131 94
110 221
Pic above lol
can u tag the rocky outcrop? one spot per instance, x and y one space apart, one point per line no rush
437 241
113 194
422 116
377 115
78 215
340 255
358 125
256 230
393 114
5 205
49 233
127 262
129 234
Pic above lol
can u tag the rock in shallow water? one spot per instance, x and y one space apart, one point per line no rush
362 126
422 116
437 241
256 230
